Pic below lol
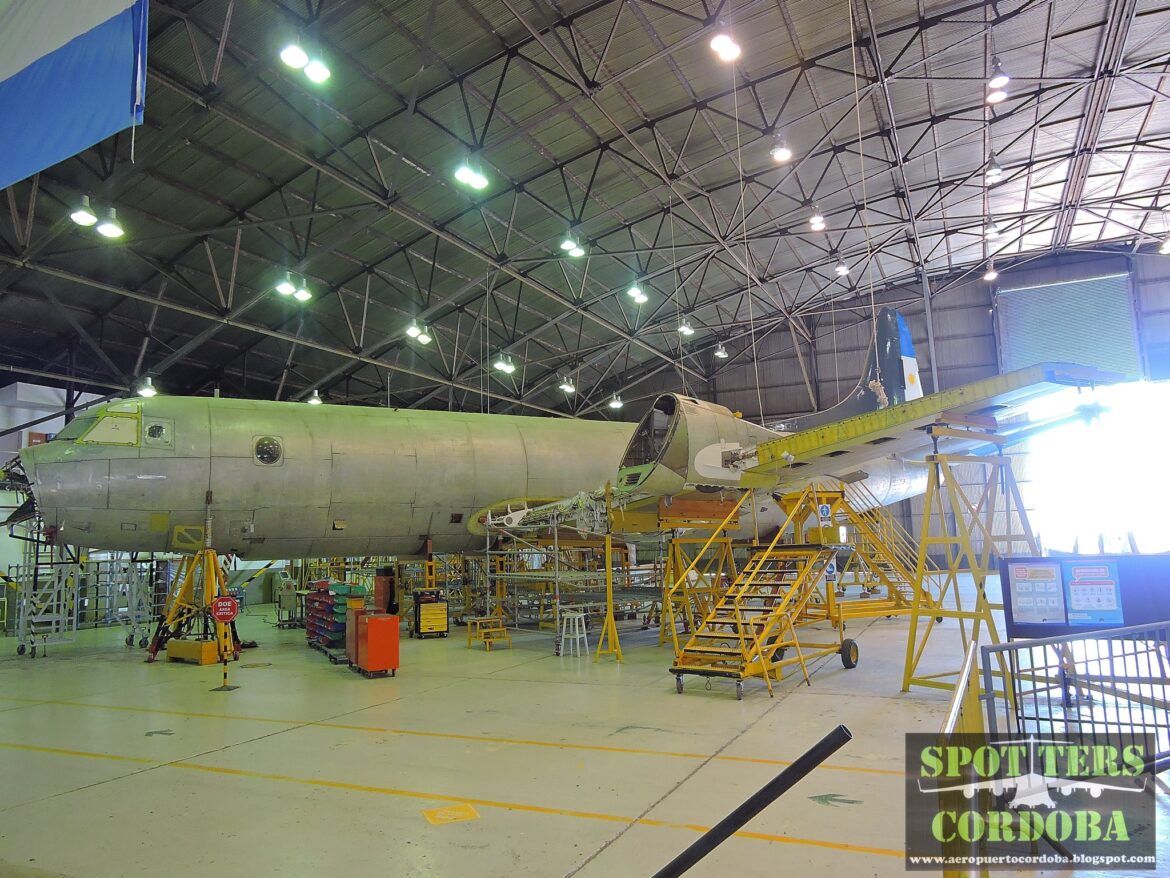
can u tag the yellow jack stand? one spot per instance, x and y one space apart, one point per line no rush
186 629
608 641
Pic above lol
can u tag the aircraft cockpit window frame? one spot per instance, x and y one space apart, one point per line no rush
112 429
75 429
262 451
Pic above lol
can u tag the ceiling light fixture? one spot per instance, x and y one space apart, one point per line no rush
294 56
317 71
146 388
504 364
641 299
991 274
724 46
616 402
302 294
110 227
470 173
570 241
314 398
685 328
424 335
993 173
780 151
285 286
634 291
577 252
991 231
841 268
413 330
817 221
721 352
998 78
567 385
83 214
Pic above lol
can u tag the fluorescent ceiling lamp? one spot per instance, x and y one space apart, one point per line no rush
721 352
577 252
147 388
302 295
991 274
110 227
424 336
780 151
685 328
616 402
83 214
294 56
286 287
842 269
317 71
567 386
314 398
998 78
413 330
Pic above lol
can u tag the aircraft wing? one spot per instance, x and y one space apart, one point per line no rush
842 448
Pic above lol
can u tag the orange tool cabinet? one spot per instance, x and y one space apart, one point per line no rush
377 644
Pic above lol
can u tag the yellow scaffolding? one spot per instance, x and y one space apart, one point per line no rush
972 527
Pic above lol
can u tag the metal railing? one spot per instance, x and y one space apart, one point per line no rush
1110 686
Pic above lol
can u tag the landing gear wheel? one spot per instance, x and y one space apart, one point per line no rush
20 649
678 683
739 690
849 653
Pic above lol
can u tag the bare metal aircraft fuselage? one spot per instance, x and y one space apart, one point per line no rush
287 480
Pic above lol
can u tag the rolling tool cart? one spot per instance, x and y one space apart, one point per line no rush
430 613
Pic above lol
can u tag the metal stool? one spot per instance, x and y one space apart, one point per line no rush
573 633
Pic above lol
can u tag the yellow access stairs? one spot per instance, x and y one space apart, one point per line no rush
754 624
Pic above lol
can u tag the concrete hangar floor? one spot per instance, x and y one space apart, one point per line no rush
509 763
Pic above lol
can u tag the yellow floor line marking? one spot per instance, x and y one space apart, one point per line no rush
453 736
459 800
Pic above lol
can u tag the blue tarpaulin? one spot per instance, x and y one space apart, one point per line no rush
71 75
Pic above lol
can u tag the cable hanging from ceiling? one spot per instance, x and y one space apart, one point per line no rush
865 196
747 257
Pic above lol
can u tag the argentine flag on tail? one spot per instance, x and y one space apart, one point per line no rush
909 361
72 72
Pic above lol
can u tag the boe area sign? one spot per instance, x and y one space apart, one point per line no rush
225 609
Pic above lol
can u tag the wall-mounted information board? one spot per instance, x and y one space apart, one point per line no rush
1046 597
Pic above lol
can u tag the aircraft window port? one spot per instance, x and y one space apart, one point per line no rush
156 431
268 450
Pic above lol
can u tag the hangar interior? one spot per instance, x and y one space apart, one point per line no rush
633 392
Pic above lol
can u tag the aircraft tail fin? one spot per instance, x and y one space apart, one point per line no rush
889 377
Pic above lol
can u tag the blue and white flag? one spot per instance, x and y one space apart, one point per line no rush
71 74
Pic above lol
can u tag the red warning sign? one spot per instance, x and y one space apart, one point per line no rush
225 609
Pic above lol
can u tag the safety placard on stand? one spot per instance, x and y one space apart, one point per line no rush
224 609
